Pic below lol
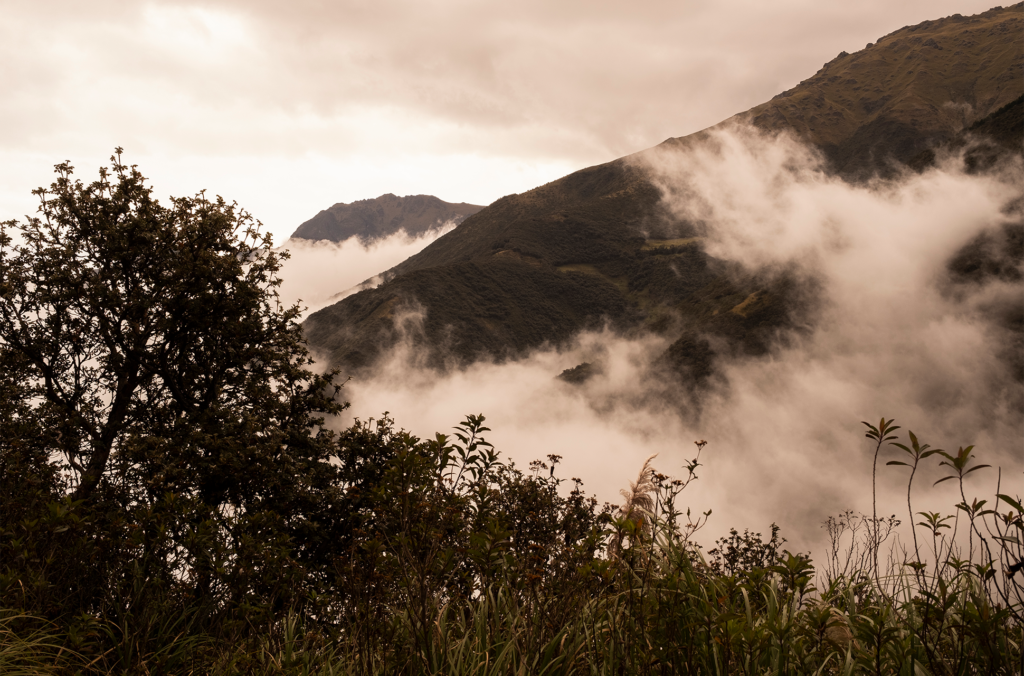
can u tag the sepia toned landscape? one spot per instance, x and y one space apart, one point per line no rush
745 400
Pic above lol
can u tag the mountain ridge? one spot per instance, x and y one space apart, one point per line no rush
373 219
598 247
883 97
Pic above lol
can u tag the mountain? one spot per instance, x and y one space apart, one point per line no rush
371 220
911 90
598 247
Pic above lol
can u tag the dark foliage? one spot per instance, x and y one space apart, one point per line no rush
578 374
161 446
163 457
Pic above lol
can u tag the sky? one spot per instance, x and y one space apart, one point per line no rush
288 108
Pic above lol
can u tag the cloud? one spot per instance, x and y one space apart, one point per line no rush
602 427
320 273
290 107
893 336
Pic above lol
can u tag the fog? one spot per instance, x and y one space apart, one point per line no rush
318 273
892 336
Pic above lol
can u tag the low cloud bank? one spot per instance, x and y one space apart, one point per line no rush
320 273
604 428
895 335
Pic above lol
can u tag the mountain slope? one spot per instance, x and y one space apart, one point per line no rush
914 88
597 245
374 219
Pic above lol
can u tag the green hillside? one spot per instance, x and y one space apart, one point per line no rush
596 246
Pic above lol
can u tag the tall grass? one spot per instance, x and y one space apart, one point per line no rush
30 646
646 600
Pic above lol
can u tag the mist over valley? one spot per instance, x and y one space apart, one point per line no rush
848 250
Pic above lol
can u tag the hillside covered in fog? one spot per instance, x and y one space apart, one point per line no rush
626 244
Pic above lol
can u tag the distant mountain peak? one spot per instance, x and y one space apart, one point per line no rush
374 219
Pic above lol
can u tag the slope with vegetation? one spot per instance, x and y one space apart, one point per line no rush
539 267
598 247
911 90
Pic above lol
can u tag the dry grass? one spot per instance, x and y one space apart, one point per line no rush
668 243
620 282
744 307
27 647
965 65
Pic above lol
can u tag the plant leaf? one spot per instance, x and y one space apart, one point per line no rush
1010 501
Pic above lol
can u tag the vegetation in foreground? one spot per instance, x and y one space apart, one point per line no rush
171 502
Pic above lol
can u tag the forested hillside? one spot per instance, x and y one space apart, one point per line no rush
373 220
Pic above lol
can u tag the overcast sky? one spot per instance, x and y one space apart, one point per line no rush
288 108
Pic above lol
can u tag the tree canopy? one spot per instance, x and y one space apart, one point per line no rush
161 415
155 389
148 344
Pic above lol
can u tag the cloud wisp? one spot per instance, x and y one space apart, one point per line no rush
319 273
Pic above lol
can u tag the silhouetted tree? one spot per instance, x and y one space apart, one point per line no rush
152 378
